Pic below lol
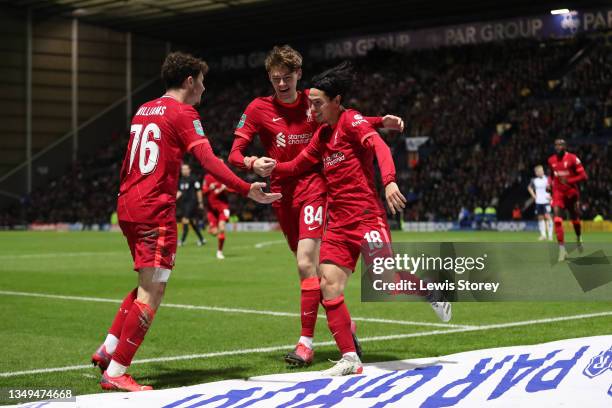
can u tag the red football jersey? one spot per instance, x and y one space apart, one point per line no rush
209 187
348 168
570 167
162 131
284 130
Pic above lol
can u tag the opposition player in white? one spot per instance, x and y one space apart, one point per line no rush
539 188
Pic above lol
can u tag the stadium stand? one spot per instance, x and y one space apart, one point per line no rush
490 111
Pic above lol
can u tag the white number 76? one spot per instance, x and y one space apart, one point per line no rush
145 145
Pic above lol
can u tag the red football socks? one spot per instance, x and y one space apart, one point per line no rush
123 311
339 322
221 240
559 230
135 327
410 277
310 298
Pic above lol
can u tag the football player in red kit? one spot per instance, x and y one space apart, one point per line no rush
345 145
217 208
566 172
162 131
285 126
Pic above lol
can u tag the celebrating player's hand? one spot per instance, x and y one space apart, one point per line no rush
395 199
249 160
256 193
263 166
393 122
562 180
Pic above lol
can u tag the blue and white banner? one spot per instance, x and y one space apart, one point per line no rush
568 373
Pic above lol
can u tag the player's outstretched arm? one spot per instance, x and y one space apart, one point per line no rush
395 199
386 122
393 122
383 156
298 165
205 155
263 166
236 156
256 193
220 189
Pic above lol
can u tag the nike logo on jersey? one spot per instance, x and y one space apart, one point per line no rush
313 228
276 119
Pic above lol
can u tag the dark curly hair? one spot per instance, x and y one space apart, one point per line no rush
179 66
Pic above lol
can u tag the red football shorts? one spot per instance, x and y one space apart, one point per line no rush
151 245
301 221
563 200
342 245
216 214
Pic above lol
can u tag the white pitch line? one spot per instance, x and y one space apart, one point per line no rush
268 243
408 322
59 255
326 343
232 310
76 254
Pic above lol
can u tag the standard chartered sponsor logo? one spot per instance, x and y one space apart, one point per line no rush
282 140
304 138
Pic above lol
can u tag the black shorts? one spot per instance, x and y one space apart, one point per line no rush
542 209
187 209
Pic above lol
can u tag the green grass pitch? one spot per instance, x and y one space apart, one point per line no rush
40 332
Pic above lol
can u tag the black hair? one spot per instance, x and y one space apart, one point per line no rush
335 81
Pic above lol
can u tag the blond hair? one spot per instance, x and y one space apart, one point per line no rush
283 56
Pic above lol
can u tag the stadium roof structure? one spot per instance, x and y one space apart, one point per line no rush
231 23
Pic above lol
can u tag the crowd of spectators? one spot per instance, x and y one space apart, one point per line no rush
491 162
490 111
